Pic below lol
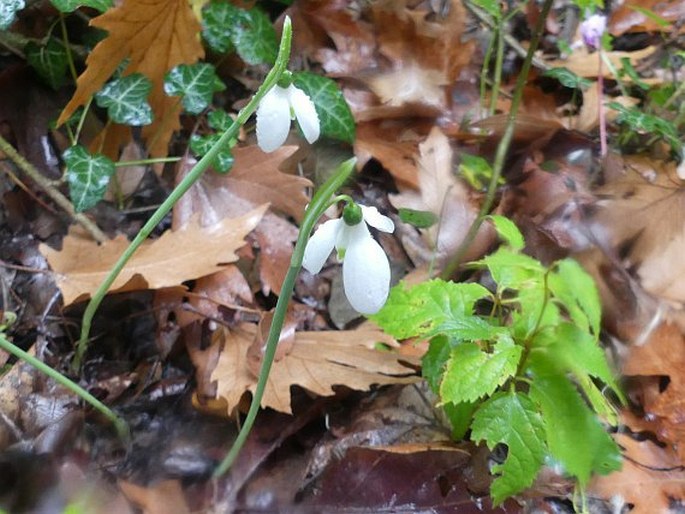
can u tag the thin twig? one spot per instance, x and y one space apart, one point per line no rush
51 191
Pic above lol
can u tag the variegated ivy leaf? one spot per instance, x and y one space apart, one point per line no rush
72 5
8 11
195 84
87 175
49 61
200 145
226 27
335 116
126 100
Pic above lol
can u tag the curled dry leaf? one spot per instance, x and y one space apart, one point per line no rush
154 36
185 254
650 477
441 193
317 362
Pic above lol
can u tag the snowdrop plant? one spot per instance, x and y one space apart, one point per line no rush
282 104
366 270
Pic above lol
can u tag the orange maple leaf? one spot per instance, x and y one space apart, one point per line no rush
155 35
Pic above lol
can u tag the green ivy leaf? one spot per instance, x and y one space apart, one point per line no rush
645 123
418 219
87 175
220 120
49 61
195 84
249 31
567 78
200 145
508 231
126 100
335 116
71 5
420 310
575 436
512 419
574 288
8 12
471 373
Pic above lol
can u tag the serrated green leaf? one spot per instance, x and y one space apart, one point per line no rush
8 12
418 219
200 145
511 419
420 310
460 416
567 78
66 6
508 231
575 289
471 373
50 62
87 175
226 27
126 100
575 436
195 84
335 115
513 270
434 360
220 120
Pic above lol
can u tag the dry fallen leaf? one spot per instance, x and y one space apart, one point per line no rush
586 64
254 179
317 362
649 478
184 254
442 194
155 36
164 497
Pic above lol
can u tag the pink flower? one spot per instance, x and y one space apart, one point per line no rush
592 30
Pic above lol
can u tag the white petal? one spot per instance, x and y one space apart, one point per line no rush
273 119
305 112
366 273
320 246
377 220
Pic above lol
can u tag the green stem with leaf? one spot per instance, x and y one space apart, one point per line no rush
503 147
271 80
320 202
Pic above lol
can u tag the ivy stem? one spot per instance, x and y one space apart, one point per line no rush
271 79
320 202
502 147
119 424
142 162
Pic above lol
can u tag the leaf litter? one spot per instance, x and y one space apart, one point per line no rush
403 68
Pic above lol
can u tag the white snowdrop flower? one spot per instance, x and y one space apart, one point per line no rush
275 112
592 29
366 270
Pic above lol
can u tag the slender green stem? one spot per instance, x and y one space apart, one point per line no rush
65 41
499 61
194 174
503 147
317 207
119 424
142 162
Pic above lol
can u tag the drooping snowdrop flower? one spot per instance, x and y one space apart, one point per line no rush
592 29
366 270
279 106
